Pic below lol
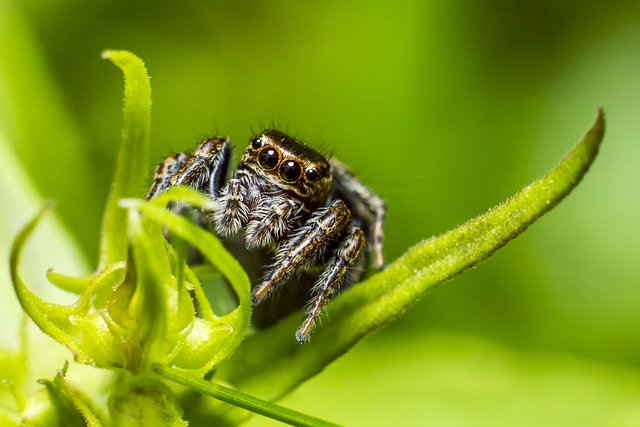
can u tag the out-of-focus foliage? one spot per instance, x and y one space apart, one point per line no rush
444 108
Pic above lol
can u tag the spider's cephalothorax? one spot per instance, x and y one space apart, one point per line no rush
293 205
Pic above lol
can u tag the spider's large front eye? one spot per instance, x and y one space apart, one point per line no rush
268 158
290 171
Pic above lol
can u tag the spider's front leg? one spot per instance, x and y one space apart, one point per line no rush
304 246
164 171
204 171
269 221
331 279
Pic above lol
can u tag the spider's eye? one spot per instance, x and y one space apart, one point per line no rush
268 158
312 174
256 143
290 171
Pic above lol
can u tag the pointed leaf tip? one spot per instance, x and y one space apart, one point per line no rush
132 164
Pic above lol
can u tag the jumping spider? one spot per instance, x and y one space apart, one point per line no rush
304 213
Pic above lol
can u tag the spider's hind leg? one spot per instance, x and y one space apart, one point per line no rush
366 206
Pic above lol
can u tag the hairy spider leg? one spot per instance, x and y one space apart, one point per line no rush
204 171
331 279
358 268
302 248
270 221
367 205
164 171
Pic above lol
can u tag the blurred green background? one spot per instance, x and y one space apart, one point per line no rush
443 108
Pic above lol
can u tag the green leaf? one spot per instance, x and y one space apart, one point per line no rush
70 325
131 167
135 320
149 278
223 334
75 285
271 363
206 242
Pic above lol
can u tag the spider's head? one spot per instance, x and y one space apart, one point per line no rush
288 164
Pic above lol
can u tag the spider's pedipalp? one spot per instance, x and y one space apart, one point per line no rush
232 211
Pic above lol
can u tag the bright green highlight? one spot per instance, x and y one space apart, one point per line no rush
13 377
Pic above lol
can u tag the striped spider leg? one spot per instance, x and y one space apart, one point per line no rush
330 228
368 206
325 226
204 171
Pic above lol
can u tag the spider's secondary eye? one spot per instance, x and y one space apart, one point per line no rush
256 143
312 174
290 171
268 158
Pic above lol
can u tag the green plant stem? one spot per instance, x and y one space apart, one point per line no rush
240 399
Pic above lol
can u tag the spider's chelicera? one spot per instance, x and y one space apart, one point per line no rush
308 219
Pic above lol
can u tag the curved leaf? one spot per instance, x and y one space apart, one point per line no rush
131 173
75 285
214 251
69 325
271 363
